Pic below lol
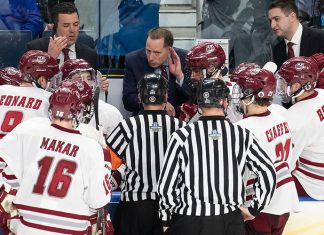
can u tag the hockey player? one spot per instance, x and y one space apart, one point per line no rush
19 103
63 176
255 91
108 115
22 98
242 71
206 60
297 81
27 100
86 93
141 142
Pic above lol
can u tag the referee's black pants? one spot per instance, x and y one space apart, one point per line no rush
228 224
138 218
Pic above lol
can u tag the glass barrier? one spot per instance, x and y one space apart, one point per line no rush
12 46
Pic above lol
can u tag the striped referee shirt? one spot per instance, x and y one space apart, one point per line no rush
202 173
141 142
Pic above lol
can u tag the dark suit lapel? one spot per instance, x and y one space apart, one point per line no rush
280 54
282 50
78 52
304 42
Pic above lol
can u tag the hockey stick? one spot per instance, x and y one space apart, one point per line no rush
101 221
96 100
101 225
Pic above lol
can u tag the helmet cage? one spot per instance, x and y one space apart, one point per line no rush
238 98
87 97
283 89
87 75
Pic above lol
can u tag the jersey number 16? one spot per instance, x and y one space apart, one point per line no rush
61 179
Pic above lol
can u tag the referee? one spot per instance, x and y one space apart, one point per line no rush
141 142
201 185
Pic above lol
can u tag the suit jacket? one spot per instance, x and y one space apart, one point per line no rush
136 65
82 51
312 41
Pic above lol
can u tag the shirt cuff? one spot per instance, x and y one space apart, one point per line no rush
180 82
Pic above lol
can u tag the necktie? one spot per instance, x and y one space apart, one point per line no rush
164 72
66 54
290 53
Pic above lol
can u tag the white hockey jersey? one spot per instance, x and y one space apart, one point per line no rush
62 176
18 104
306 121
109 117
277 108
272 130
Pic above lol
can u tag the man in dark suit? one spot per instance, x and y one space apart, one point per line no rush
157 57
297 40
62 45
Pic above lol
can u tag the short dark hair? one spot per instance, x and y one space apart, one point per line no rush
262 101
62 8
287 6
158 32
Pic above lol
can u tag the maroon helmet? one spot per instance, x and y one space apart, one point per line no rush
10 76
300 69
86 98
258 82
205 55
34 64
66 103
74 70
241 69
69 67
82 87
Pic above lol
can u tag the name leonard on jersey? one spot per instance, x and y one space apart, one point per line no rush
20 101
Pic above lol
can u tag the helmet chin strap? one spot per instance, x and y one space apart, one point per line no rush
211 72
247 104
216 74
76 121
296 94
35 82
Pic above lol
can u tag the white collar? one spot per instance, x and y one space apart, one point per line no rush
296 39
72 47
